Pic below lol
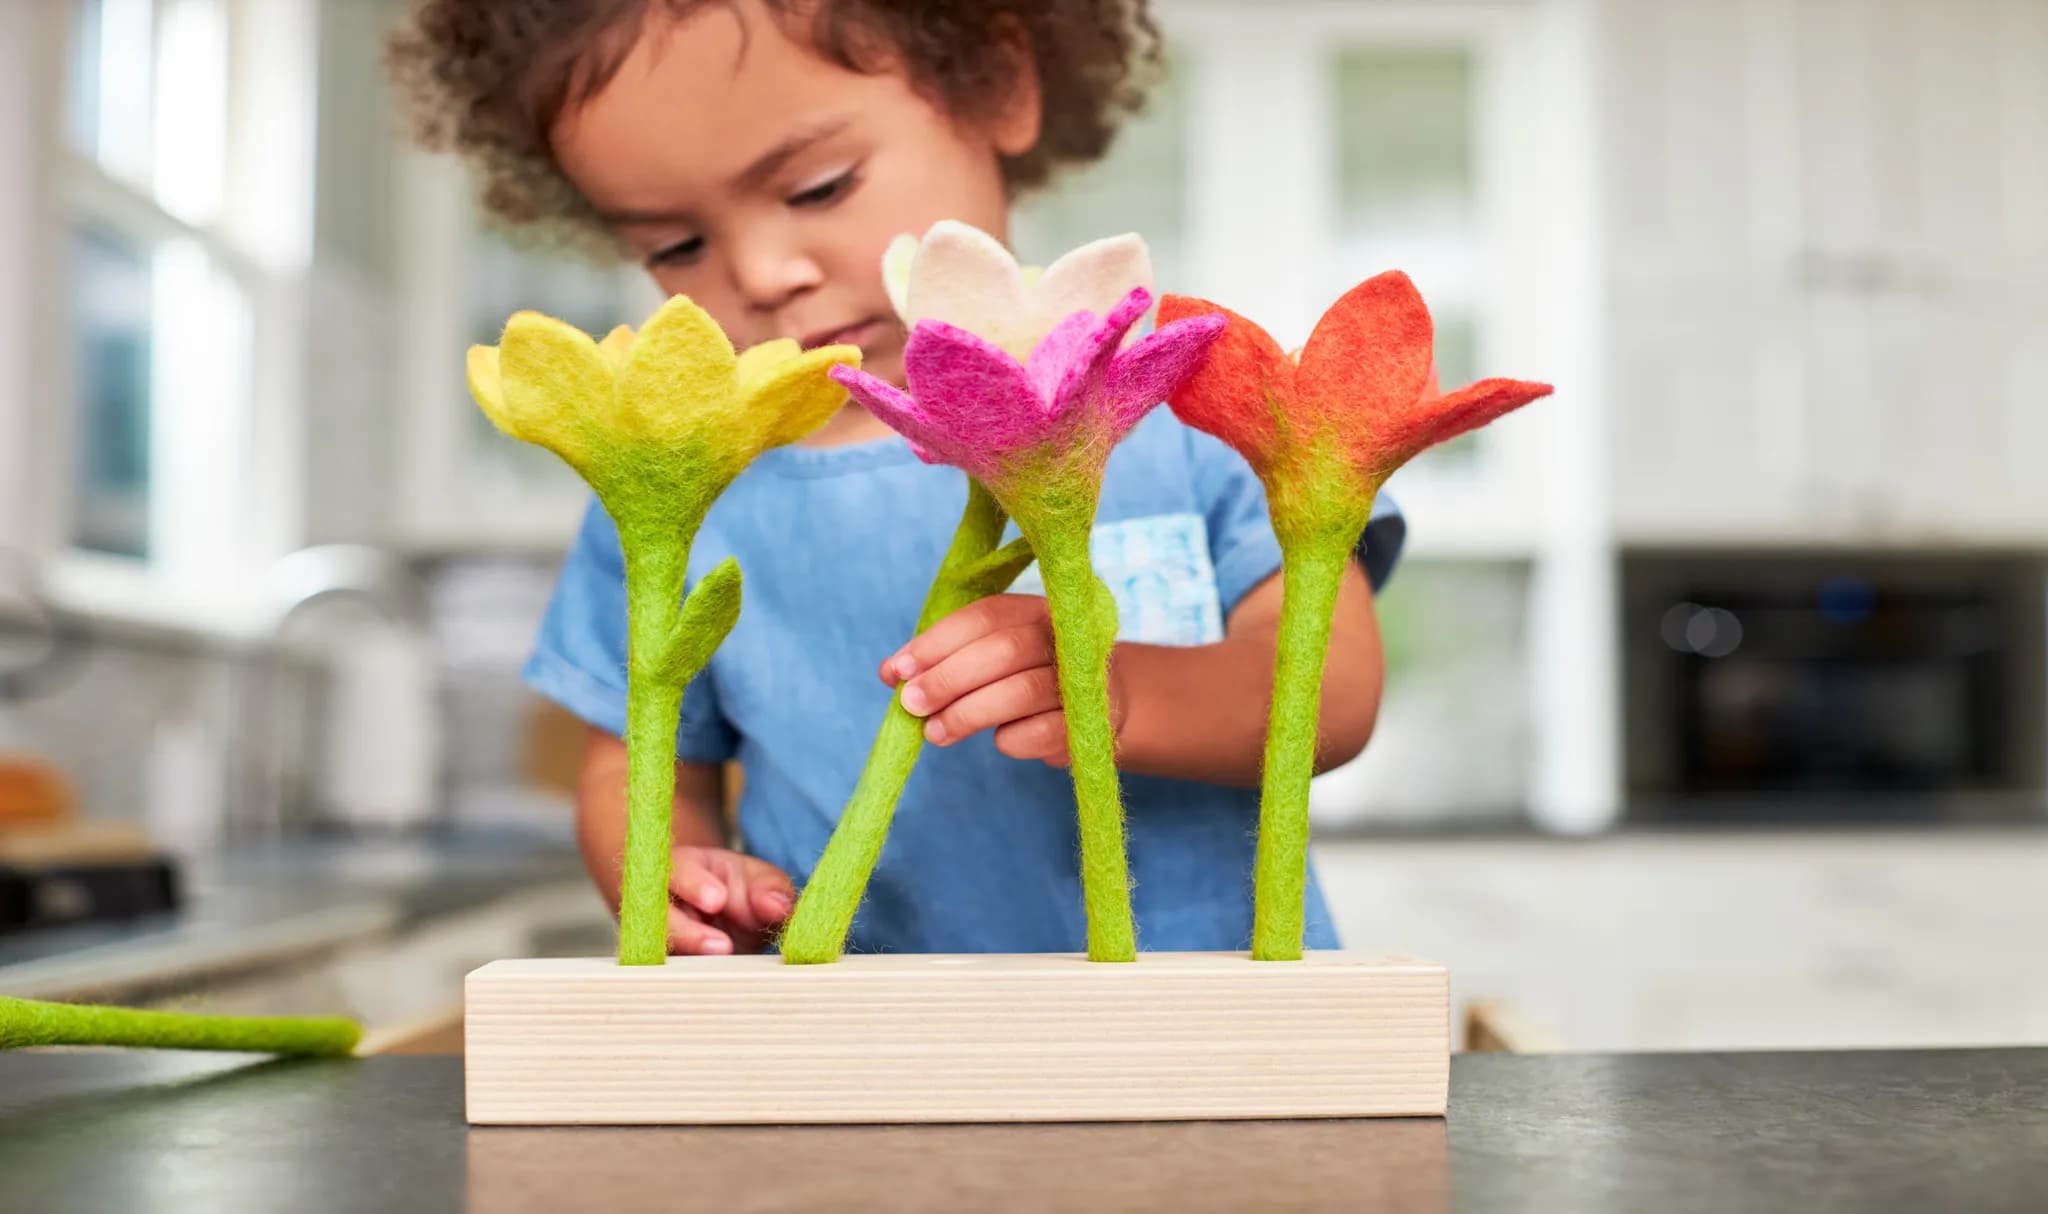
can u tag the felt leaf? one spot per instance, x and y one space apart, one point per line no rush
790 398
1367 361
997 571
707 616
556 387
678 381
1147 373
1243 388
1093 278
966 278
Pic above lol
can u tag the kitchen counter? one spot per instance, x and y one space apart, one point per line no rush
1814 1132
280 905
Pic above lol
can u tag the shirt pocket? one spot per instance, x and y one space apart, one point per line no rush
1158 570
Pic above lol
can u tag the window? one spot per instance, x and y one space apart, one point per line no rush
173 192
110 321
1406 134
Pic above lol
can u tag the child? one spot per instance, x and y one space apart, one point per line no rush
758 157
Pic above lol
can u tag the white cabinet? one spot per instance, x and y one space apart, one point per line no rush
1828 269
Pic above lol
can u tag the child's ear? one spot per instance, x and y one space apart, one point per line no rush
1016 121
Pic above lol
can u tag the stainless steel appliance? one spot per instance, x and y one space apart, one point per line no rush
1832 687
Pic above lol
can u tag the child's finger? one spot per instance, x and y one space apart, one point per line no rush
692 937
1042 737
932 646
979 664
693 882
769 893
1015 698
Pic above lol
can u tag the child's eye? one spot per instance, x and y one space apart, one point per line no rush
824 192
681 253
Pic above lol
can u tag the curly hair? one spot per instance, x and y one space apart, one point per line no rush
486 79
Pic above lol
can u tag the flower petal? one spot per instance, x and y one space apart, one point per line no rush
617 345
1364 367
1147 373
1241 390
974 394
1438 419
1086 372
793 397
487 384
964 277
896 262
678 381
1058 349
557 387
1093 278
757 361
893 407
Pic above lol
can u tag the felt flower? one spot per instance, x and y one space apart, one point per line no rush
672 405
964 277
659 423
1323 430
1328 426
1037 432
1010 423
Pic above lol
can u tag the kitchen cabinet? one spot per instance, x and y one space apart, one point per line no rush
1828 269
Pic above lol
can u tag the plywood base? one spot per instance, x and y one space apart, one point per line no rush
900 1038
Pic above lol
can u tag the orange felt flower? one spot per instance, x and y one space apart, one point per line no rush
1330 426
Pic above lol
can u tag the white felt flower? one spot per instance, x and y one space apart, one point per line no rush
964 277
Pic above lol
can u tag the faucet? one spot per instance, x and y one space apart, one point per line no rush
349 727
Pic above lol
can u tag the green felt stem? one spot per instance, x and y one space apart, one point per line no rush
973 568
658 626
1312 572
29 1022
1084 626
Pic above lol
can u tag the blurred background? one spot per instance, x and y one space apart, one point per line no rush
1717 706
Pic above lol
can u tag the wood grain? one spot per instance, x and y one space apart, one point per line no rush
989 1038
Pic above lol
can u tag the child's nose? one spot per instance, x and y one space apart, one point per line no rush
769 275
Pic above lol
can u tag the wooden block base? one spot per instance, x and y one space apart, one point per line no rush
988 1038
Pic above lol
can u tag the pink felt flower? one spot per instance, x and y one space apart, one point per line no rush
1058 413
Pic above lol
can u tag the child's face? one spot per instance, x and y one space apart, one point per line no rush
764 181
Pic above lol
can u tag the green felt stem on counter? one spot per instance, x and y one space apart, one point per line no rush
668 642
974 567
30 1022
1312 573
1084 625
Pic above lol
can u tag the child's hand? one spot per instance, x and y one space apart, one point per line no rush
990 665
721 901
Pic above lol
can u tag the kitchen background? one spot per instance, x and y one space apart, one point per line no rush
1717 706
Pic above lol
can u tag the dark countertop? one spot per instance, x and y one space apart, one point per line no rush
1675 1133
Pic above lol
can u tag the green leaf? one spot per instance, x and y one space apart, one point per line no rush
701 626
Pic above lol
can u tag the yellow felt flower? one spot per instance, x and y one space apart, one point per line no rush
671 404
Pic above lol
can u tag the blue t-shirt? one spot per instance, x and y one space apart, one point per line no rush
838 546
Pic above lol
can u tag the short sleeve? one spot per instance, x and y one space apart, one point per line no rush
579 658
1241 541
